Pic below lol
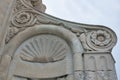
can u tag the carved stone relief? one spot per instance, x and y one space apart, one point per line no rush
97 40
43 51
49 37
97 66
41 47
22 17
25 16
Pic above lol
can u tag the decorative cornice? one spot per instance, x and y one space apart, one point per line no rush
93 37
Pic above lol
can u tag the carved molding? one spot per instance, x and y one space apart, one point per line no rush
93 37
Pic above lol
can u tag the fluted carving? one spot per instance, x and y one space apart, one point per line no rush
43 48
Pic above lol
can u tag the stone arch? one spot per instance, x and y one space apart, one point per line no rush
71 38
67 35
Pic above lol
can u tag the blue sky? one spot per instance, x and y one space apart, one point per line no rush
100 12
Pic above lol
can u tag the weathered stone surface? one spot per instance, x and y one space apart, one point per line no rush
99 66
4 5
37 46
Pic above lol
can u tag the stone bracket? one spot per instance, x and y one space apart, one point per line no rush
93 37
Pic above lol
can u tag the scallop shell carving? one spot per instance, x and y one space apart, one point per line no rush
43 49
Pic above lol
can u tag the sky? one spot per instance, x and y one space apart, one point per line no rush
100 12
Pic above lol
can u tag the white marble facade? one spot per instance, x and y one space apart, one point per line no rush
37 46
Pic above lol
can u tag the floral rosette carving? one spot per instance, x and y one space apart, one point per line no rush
23 19
101 40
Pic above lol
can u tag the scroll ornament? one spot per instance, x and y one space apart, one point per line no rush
98 40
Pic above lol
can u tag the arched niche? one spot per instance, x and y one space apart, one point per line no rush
69 38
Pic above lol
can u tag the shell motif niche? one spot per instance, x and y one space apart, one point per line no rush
43 48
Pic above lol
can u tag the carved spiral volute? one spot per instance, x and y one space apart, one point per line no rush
23 19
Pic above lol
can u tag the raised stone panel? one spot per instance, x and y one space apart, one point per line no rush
90 63
102 61
99 66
